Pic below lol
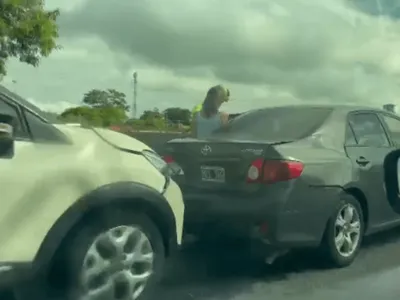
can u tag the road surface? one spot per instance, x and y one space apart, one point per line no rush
198 273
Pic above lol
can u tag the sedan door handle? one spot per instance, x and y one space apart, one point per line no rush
362 161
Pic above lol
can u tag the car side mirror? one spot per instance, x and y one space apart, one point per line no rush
6 136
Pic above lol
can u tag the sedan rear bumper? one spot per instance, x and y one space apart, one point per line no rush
283 219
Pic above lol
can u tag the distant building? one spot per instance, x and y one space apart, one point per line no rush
390 107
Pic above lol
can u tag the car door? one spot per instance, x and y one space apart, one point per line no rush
367 151
14 173
22 180
392 126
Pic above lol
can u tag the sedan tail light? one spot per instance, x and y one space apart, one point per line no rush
270 171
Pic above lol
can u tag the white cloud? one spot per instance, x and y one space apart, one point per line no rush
56 107
64 6
266 52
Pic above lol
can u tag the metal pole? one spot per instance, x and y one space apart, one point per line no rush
134 107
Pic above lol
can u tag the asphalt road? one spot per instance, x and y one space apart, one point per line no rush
229 274
202 272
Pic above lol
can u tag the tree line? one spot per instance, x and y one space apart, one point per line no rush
109 107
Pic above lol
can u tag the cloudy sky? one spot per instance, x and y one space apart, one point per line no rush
266 52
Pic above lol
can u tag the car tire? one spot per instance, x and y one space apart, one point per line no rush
344 233
95 244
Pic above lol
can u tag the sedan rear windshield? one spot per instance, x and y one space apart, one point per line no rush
276 124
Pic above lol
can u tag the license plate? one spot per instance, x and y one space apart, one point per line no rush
213 174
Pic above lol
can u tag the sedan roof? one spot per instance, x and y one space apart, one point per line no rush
337 107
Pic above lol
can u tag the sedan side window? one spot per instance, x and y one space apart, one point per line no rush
349 135
368 130
394 129
12 110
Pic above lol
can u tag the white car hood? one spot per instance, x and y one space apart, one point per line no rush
112 137
121 140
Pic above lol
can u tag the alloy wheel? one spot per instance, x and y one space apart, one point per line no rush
347 230
117 265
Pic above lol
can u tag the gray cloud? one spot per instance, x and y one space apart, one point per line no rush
389 8
266 52
314 50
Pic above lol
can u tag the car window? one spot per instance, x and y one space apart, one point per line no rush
12 110
368 130
277 123
42 131
394 129
349 135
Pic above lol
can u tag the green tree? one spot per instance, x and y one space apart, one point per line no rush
117 99
82 114
96 98
151 115
106 98
178 115
112 115
101 108
27 31
153 118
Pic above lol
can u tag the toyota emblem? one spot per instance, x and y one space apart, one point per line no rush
206 150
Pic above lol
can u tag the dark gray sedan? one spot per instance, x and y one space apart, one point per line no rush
291 177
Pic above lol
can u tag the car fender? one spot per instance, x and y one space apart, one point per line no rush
352 185
42 204
117 193
333 193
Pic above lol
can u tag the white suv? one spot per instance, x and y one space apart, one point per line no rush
84 212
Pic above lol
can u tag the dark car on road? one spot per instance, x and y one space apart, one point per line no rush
302 176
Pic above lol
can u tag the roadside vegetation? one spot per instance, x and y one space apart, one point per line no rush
109 108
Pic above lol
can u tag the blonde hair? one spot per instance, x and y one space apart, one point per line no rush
214 98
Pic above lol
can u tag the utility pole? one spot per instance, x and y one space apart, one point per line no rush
134 107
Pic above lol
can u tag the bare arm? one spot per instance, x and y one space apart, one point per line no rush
224 118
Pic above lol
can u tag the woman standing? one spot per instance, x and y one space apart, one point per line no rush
209 118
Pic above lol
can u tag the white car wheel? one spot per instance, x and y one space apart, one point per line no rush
118 264
113 255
